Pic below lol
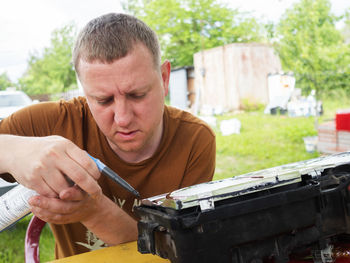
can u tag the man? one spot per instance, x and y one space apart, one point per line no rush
123 122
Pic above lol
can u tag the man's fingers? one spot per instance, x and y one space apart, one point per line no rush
45 189
59 164
73 193
45 206
82 170
82 158
82 178
60 211
56 181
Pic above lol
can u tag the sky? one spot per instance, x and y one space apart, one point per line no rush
26 26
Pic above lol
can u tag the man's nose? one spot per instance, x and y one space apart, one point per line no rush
122 113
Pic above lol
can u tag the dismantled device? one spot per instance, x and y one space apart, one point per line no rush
272 215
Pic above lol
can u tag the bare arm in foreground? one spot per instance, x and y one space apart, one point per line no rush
43 164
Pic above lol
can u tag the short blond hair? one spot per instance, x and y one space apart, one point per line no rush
112 36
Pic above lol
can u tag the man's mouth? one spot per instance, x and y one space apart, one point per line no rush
127 135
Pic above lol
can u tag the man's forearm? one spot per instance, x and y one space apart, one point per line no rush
112 224
108 221
8 144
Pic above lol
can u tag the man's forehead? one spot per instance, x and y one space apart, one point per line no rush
83 63
137 48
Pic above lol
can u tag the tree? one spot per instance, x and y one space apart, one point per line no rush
310 45
185 27
52 72
5 81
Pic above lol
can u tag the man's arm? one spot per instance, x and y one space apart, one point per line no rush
112 224
44 164
99 214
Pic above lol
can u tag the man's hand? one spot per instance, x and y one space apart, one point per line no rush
48 165
99 214
73 205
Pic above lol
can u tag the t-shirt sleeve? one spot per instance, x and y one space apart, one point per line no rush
201 164
35 120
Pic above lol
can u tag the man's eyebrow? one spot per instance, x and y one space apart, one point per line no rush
99 97
137 90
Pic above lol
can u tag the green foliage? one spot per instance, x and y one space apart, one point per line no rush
334 100
185 27
310 45
5 81
51 72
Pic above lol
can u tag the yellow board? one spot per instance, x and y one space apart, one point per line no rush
123 253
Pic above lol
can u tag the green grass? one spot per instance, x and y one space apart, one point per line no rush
264 141
270 140
12 243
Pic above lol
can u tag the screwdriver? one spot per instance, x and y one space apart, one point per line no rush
116 178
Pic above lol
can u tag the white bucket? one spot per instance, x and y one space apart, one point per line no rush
310 143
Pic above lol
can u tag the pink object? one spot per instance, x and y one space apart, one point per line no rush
31 242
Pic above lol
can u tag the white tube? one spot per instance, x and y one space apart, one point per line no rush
14 205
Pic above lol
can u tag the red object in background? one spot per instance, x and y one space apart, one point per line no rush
31 243
342 120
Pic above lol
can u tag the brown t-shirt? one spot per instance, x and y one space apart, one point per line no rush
185 156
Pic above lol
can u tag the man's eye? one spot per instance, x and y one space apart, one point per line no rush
104 102
137 96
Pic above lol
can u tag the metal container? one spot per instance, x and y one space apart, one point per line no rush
263 216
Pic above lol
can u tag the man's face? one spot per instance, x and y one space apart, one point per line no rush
126 98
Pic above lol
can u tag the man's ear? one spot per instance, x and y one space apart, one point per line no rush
165 70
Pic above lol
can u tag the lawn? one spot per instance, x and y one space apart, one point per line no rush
264 141
270 140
